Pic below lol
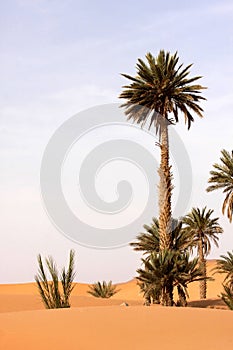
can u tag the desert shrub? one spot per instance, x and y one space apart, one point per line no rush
102 290
55 293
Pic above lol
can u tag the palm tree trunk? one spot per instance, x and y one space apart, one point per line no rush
182 297
165 191
167 295
202 265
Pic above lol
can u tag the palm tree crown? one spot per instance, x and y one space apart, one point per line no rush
161 86
222 178
202 228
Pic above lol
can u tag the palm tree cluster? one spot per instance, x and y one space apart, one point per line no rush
102 290
166 269
161 90
173 268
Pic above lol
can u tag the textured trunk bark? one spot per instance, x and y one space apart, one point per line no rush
167 295
147 301
165 191
202 265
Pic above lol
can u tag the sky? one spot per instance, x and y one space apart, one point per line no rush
59 58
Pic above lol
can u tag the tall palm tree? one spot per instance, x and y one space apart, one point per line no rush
203 230
161 90
222 178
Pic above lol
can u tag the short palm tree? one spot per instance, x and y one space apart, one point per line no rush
222 178
161 90
187 271
165 269
102 290
203 230
157 277
55 293
151 293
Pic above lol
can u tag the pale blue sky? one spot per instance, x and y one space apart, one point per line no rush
60 57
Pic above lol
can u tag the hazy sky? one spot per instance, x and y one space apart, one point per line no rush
61 57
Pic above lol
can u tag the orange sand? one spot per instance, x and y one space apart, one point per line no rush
94 323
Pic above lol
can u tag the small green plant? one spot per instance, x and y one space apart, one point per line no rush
102 290
56 292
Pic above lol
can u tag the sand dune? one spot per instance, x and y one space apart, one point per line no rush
24 297
102 323
117 328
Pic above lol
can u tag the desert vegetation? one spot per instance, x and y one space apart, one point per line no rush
202 229
174 267
161 91
225 266
55 292
102 289
222 178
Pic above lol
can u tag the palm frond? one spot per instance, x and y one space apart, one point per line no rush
222 178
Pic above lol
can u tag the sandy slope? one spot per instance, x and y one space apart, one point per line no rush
116 327
94 323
